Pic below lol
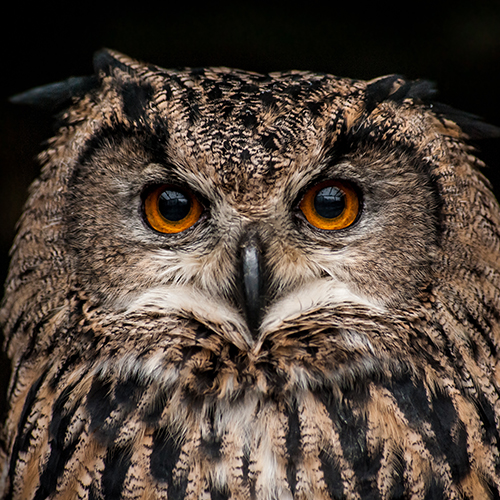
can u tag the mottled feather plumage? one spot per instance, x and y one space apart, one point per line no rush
371 372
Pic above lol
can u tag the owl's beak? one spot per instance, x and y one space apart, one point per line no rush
252 280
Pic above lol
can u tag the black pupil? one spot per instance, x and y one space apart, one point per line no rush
329 202
174 205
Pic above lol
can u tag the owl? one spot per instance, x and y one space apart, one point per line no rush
231 285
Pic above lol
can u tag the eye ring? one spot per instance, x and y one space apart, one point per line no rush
170 209
331 205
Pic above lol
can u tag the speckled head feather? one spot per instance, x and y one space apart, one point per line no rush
322 324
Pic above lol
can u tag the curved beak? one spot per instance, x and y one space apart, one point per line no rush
252 280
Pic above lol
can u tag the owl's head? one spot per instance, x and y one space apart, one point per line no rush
317 216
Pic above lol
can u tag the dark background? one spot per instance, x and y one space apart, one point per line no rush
455 44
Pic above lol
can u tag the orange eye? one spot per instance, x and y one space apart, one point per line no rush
331 205
170 209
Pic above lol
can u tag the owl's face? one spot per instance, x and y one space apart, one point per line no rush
226 201
234 285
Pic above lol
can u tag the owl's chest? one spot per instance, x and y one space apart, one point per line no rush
383 436
252 447
131 437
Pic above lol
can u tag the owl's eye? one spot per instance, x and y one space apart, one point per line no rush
170 209
331 205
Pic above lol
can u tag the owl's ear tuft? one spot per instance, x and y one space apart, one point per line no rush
397 88
56 96
472 125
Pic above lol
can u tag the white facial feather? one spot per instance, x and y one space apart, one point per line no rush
317 294
189 302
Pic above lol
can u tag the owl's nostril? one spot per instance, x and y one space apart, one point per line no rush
252 280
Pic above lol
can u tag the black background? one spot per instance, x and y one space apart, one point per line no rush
455 44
